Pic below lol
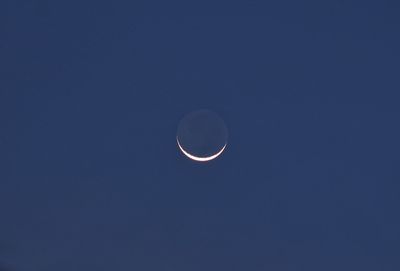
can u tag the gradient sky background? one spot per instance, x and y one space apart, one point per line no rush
90 98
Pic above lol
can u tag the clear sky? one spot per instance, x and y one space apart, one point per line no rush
90 99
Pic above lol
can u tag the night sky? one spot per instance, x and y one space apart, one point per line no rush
91 95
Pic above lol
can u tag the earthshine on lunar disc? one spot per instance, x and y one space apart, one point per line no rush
202 135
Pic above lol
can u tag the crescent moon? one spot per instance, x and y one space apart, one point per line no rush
200 159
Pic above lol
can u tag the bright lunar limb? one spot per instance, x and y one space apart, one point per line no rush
200 159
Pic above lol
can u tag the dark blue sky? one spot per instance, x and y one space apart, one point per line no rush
90 99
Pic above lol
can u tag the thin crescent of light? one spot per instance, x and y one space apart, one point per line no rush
200 159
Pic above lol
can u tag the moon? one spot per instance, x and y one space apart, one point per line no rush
200 159
202 135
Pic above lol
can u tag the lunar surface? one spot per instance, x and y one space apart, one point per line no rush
202 135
